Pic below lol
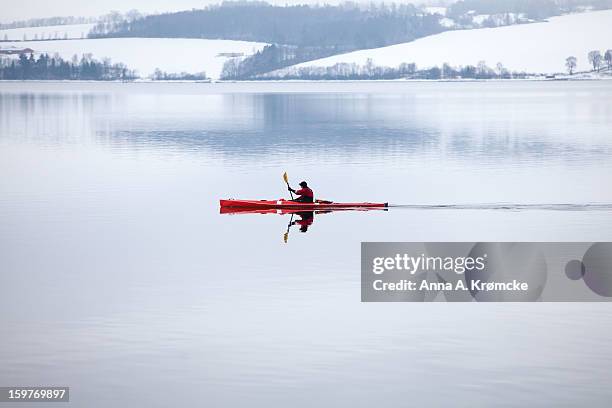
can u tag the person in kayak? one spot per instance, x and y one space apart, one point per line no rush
305 193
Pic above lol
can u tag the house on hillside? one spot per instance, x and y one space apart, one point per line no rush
230 54
15 50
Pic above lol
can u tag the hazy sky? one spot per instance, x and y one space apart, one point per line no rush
11 10
25 9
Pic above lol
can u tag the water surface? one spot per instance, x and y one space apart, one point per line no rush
121 279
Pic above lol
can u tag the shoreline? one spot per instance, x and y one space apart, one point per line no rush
488 88
306 81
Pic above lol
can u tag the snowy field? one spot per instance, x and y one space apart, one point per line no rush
172 55
46 32
537 47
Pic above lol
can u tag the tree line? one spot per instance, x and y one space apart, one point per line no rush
531 9
48 21
273 57
56 68
371 71
596 60
345 25
272 63
160 75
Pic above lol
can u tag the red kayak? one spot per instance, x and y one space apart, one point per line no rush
283 211
288 204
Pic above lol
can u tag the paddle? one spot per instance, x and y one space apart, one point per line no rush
286 236
286 178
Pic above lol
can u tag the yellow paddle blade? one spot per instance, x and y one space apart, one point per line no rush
286 237
285 177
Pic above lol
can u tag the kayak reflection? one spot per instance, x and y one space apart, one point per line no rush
301 218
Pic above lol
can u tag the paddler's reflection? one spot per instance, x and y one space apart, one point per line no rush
305 221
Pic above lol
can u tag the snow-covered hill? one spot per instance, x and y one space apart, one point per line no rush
172 55
537 47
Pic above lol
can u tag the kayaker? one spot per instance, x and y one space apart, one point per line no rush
305 193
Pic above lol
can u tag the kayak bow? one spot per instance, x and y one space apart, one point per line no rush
287 204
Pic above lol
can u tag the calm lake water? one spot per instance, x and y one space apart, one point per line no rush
121 279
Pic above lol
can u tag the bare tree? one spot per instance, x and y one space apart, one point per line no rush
369 66
608 58
230 69
483 70
447 70
500 69
570 63
595 59
133 15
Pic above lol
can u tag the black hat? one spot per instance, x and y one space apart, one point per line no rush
303 184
